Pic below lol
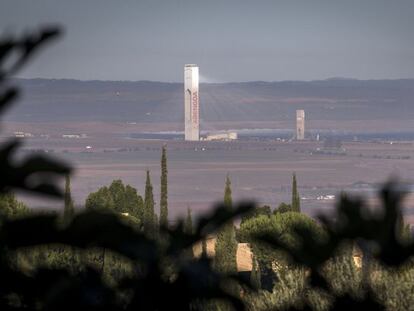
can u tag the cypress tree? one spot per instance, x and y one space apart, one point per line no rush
255 278
66 254
69 210
402 229
149 215
155 226
164 189
228 202
226 244
295 195
204 248
188 224
294 189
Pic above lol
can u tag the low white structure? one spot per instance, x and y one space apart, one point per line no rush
74 136
223 136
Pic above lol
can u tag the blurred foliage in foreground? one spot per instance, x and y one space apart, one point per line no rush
95 260
315 265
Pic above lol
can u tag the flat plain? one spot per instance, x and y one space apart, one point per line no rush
260 170
109 113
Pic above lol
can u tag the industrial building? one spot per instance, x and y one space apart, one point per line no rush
222 137
300 124
191 103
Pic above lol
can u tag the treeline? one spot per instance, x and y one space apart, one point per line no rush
121 200
277 281
126 200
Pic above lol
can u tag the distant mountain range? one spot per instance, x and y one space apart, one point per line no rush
145 101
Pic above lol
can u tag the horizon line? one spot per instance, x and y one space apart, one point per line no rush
221 82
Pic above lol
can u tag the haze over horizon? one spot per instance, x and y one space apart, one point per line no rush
204 81
231 41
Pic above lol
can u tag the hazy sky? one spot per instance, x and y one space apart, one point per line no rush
231 40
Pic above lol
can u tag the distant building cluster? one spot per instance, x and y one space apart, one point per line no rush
325 197
23 134
74 136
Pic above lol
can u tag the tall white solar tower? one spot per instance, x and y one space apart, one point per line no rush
300 124
191 103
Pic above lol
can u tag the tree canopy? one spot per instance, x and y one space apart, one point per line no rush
117 197
278 225
12 208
